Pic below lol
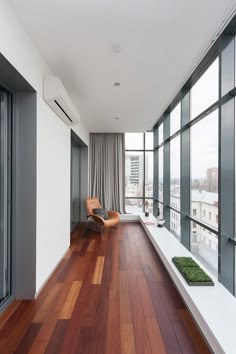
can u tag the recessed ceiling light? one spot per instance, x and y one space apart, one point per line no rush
116 47
116 84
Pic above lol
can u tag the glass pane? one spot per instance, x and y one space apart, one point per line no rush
155 137
160 174
149 204
133 206
134 141
175 224
148 174
175 119
175 172
206 90
149 141
134 174
160 134
204 170
204 246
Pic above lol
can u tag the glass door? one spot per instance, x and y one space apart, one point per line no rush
5 196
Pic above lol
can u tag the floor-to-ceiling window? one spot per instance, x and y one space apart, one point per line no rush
5 197
194 164
203 167
138 172
204 189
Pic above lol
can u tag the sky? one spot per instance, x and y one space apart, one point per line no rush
204 148
204 134
204 145
135 141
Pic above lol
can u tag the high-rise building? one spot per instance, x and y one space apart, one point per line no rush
212 179
134 166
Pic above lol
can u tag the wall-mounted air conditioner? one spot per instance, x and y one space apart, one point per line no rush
58 99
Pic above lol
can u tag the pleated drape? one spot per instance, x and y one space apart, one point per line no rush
107 169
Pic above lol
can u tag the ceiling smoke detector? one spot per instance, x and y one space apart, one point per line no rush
117 118
116 84
116 47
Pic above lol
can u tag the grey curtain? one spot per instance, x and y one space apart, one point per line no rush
107 169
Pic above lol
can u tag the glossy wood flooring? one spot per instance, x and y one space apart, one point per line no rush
109 295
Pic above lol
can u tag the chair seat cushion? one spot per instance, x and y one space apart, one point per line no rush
101 212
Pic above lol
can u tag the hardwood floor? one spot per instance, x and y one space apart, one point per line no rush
109 295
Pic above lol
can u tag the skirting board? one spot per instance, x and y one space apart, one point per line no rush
50 274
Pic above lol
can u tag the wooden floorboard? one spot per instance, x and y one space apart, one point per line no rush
127 339
54 343
110 294
28 338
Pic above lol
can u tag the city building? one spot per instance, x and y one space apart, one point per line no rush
212 178
134 168
204 208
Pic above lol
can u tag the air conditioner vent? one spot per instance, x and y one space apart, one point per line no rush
63 111
59 100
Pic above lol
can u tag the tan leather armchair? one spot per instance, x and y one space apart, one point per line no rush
114 218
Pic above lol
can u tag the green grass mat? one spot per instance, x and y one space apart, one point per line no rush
185 262
191 271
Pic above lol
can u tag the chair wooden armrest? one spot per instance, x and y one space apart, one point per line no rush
98 219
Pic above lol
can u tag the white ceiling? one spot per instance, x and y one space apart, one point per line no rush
160 43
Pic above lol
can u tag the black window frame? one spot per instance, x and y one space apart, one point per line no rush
224 48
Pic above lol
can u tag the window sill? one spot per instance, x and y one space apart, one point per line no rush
213 308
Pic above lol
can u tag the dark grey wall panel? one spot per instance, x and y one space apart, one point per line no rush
11 78
79 189
75 184
84 182
24 182
25 195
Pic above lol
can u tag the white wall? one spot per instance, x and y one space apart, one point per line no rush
53 148
53 191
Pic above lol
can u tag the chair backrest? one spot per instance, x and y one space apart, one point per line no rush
92 203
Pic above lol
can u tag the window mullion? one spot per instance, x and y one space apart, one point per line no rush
226 166
185 200
166 172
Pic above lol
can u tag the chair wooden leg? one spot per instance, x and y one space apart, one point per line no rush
90 228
